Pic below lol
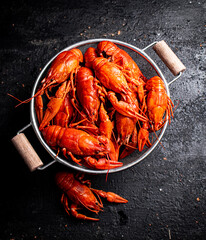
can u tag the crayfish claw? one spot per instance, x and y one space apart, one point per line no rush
143 137
110 196
125 108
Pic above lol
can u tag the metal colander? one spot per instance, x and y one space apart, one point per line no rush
149 69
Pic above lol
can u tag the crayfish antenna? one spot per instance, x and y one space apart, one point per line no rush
130 146
35 95
158 136
14 97
99 206
74 105
81 216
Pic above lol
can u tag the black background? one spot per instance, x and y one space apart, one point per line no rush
166 191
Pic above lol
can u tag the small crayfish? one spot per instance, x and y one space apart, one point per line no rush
82 196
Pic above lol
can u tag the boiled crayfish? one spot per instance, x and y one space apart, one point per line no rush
100 106
82 196
77 142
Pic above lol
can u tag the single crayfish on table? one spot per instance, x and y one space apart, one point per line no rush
100 107
81 195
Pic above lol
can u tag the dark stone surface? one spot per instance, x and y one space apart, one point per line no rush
166 197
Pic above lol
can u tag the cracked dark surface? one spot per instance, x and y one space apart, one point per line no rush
166 191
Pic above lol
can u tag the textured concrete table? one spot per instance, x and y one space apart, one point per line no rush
166 191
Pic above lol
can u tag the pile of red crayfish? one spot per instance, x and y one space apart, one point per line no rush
100 106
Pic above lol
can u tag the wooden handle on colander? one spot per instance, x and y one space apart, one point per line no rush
27 152
169 57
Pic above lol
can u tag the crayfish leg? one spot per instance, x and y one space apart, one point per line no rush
80 216
74 158
65 153
64 202
80 177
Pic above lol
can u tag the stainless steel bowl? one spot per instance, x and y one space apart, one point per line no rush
149 69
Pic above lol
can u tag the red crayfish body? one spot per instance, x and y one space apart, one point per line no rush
65 112
55 104
77 142
82 196
112 78
73 140
120 57
158 105
110 75
129 67
62 66
87 93
158 102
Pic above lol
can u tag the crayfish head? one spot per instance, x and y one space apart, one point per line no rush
156 116
92 204
109 148
91 146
